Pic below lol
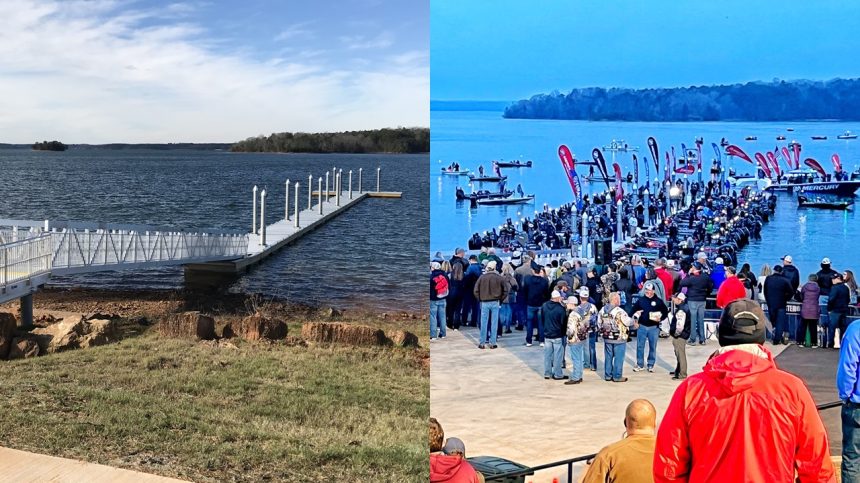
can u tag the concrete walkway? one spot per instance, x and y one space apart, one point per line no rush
499 404
22 467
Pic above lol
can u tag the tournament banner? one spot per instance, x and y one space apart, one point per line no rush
619 189
837 163
785 154
812 163
647 172
655 154
635 170
797 154
674 159
667 166
773 163
718 154
733 150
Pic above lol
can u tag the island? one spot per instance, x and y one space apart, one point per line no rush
49 146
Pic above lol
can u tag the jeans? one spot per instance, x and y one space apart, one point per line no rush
505 314
830 329
469 310
452 310
681 355
520 314
697 320
437 317
532 320
576 356
553 353
777 319
649 334
489 314
613 365
591 356
851 442
812 326
838 319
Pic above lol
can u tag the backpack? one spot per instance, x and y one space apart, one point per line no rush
577 328
612 327
441 286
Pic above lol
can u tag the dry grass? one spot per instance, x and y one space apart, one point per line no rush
258 412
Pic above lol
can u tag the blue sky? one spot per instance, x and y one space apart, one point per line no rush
508 50
91 71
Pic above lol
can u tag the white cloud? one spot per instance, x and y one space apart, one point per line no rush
358 42
297 30
82 72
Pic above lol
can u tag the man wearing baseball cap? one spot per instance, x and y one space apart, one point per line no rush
490 290
742 418
699 286
825 280
790 272
553 317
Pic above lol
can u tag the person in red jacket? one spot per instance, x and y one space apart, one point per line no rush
731 289
446 468
665 276
742 419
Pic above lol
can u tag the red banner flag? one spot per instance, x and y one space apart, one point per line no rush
814 165
733 150
787 156
772 159
619 189
762 162
569 164
837 163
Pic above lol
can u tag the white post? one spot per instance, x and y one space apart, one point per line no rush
647 208
378 171
359 179
287 200
350 184
254 216
339 179
263 218
310 189
337 190
296 204
619 228
326 185
319 194
584 235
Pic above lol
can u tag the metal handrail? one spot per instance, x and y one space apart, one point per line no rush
570 461
23 259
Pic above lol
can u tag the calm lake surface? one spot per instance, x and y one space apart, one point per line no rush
373 256
474 138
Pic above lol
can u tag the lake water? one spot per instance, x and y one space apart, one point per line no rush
373 256
474 138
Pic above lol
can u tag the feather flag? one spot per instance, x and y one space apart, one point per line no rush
718 154
601 165
569 164
733 150
771 158
655 154
635 170
814 165
787 155
796 154
674 160
699 152
837 163
762 162
619 189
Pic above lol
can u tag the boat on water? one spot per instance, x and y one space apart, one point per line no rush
740 182
794 143
790 129
452 172
481 194
487 178
810 182
620 147
819 138
514 164
751 138
724 142
780 138
846 135
825 203
511 200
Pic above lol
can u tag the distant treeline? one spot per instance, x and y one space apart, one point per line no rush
49 146
401 140
159 146
837 99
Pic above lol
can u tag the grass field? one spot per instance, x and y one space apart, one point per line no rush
198 411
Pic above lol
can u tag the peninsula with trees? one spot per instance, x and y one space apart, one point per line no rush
400 140
778 100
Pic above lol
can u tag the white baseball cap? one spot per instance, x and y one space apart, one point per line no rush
787 259
555 294
826 261
719 261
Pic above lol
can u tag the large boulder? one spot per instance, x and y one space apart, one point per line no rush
188 324
7 332
256 327
99 332
23 348
65 334
404 338
343 333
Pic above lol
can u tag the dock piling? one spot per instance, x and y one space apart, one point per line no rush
326 185
296 204
359 179
254 216
619 232
310 189
319 194
378 171
263 218
337 190
287 200
350 184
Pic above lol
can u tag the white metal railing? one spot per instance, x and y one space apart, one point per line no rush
24 259
88 251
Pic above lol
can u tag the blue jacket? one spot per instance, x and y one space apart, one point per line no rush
848 375
718 275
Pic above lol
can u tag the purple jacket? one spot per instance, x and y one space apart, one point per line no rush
809 301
